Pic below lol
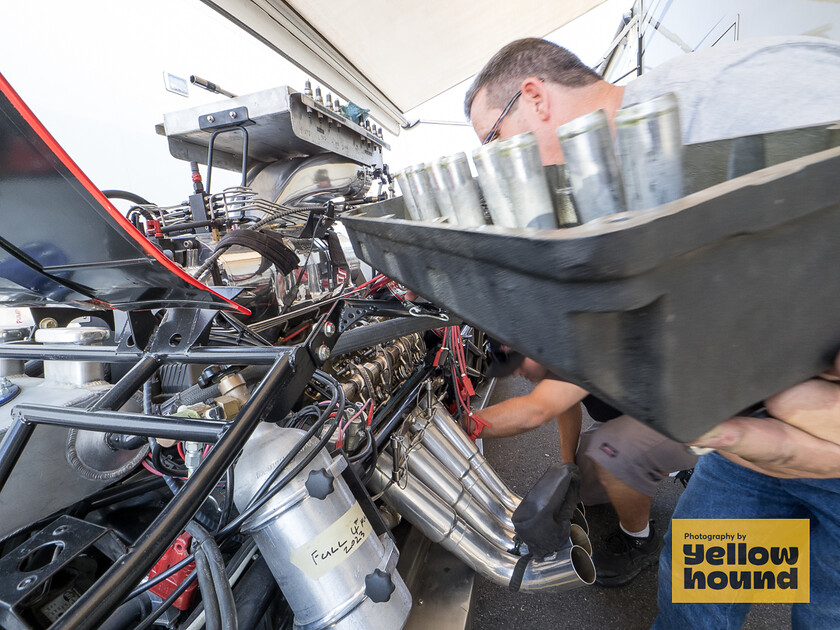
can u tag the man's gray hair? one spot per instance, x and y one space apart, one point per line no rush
530 57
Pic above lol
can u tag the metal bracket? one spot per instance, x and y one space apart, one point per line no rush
233 117
356 309
70 537
137 331
181 330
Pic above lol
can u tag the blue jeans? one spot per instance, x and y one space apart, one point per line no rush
721 489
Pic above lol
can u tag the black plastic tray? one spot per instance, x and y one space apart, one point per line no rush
680 316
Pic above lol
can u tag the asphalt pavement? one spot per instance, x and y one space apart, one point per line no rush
520 461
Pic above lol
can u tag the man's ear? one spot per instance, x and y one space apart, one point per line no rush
535 96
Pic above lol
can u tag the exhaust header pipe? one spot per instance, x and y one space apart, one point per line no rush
570 567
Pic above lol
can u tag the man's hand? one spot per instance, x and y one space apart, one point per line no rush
802 439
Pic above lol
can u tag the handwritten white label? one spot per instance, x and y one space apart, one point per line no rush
334 545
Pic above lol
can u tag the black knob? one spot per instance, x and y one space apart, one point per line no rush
319 484
379 586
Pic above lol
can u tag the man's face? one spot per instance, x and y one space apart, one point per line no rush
521 118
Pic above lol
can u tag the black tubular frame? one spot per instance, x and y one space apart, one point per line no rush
291 369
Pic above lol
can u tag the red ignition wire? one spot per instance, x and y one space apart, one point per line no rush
294 334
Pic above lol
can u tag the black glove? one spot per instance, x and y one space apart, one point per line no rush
543 518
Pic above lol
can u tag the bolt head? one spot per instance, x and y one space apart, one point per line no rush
233 114
26 582
329 329
323 353
211 119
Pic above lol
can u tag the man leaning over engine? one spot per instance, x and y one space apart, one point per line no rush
621 460
785 466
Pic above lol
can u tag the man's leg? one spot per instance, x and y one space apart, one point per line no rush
720 489
632 506
631 459
821 498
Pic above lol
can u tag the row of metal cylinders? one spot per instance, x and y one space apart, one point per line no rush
641 169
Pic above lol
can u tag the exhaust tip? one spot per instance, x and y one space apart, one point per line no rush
583 565
579 519
579 538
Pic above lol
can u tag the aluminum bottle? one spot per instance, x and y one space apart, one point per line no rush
421 191
493 185
333 569
526 181
408 198
649 147
440 190
592 166
463 193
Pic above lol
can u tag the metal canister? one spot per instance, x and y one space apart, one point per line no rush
528 186
564 207
462 190
408 198
649 147
494 186
591 166
333 569
440 189
421 191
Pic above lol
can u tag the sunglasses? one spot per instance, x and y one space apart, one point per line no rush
494 131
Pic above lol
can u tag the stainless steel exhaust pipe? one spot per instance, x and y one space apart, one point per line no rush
449 455
579 538
442 482
448 488
450 458
456 436
571 567
579 519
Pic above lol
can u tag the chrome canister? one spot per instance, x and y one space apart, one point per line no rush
591 166
526 181
333 569
408 198
564 207
421 191
462 190
493 185
440 189
649 147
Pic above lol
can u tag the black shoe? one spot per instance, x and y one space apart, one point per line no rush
623 557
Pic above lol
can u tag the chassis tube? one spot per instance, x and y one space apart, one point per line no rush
98 601
112 354
124 389
171 427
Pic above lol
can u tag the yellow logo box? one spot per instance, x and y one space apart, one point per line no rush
740 560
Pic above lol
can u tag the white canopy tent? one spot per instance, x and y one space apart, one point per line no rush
391 55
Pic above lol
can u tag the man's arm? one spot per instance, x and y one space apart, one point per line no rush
568 424
549 399
802 439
